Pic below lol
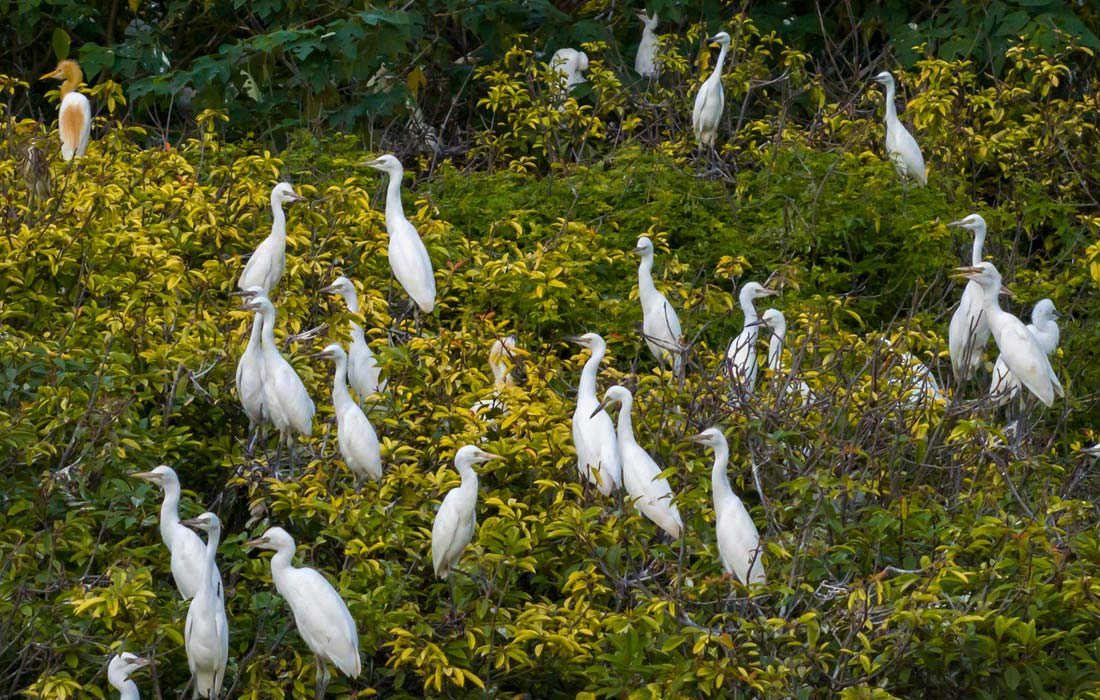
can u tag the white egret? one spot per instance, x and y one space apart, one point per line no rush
598 458
186 548
738 539
1044 326
777 323
408 257
354 434
457 517
711 100
249 377
915 381
968 332
206 634
118 674
901 147
363 369
322 617
74 118
645 61
502 363
741 363
660 324
570 65
288 404
642 479
265 268
1019 348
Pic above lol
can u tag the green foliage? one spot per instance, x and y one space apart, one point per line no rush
913 549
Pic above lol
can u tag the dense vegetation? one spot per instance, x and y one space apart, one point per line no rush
912 550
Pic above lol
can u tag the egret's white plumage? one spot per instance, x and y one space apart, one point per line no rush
285 397
660 324
250 384
323 619
901 147
206 633
74 117
776 322
711 100
642 479
457 517
265 268
915 381
968 331
363 369
502 356
186 548
570 65
738 539
598 458
1044 326
645 61
741 362
354 433
408 257
1019 348
118 674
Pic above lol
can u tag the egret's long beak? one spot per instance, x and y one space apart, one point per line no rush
248 306
965 273
258 542
193 522
297 197
55 73
713 39
489 456
321 355
696 438
148 476
330 289
243 293
643 16
309 333
639 250
1090 451
376 163
141 662
769 292
573 339
603 406
960 223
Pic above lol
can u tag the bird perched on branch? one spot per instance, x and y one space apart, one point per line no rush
457 517
1044 326
660 324
265 268
598 458
645 61
363 370
968 331
901 147
118 674
711 100
74 118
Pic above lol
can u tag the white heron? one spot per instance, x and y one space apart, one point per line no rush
642 479
660 324
206 633
776 322
570 65
901 147
1044 326
915 381
288 404
711 100
354 434
322 617
363 369
408 257
645 61
506 371
118 674
74 118
598 458
249 377
457 517
968 331
738 539
1019 348
741 363
185 547
265 268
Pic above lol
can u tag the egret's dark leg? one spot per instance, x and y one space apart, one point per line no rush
322 677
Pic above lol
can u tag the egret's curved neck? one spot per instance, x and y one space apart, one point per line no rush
891 108
280 563
646 289
626 425
992 303
979 243
357 333
169 511
351 298
257 330
278 224
340 395
587 387
128 690
719 481
394 211
775 349
469 476
500 370
213 538
71 84
267 343
749 309
717 74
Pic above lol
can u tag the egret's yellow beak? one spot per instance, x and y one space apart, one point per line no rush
55 73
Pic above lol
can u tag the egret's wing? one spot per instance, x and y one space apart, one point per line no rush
1026 360
323 619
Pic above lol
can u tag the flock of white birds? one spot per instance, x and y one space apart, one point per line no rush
608 455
